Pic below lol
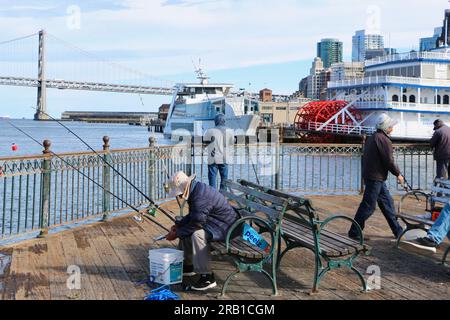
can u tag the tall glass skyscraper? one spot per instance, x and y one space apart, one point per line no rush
430 43
363 42
330 51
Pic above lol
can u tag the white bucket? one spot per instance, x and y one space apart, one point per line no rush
166 266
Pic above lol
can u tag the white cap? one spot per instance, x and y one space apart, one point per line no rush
180 184
385 122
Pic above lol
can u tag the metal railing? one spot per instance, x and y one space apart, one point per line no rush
43 191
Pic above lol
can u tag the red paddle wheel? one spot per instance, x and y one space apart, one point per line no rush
313 115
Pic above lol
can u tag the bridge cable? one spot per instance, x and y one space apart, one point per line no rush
152 202
89 178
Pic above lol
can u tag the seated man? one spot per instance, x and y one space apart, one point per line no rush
436 234
209 219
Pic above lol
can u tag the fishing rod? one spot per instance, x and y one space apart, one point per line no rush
89 178
153 203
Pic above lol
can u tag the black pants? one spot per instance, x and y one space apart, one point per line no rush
376 192
442 168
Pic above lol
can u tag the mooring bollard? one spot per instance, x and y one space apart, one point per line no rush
106 182
45 187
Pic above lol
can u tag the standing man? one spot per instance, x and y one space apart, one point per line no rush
220 151
441 144
378 160
209 219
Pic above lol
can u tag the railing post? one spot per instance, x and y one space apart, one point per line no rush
363 143
151 169
45 190
277 165
106 179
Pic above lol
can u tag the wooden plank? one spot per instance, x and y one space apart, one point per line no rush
57 268
93 269
74 257
113 269
38 266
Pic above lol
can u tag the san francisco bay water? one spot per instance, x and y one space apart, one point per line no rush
121 136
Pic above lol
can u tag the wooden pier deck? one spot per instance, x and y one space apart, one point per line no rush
112 257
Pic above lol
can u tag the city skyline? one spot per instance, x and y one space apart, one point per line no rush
233 49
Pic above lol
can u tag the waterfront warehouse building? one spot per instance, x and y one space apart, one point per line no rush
362 42
330 51
414 88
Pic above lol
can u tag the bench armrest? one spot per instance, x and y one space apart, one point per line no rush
243 220
323 223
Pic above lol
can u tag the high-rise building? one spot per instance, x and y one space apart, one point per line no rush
347 71
330 51
363 42
430 43
318 80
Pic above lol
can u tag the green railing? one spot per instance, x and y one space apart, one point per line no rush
45 191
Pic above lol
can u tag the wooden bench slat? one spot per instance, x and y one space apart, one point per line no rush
273 214
253 192
416 219
240 247
329 239
306 236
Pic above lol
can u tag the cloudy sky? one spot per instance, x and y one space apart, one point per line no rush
251 43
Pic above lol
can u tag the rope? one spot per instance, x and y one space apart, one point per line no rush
162 294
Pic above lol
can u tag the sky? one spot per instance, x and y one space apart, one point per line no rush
250 43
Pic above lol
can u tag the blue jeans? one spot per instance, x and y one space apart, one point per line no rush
376 192
441 226
212 175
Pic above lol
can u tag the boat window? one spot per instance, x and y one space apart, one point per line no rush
405 98
412 98
446 99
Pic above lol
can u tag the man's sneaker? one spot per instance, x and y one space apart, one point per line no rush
206 281
188 271
356 238
423 244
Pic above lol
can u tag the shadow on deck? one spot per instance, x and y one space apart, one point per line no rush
113 259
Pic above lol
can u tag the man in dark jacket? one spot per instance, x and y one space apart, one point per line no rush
378 160
441 144
209 219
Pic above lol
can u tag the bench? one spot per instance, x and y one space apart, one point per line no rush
302 228
256 209
439 197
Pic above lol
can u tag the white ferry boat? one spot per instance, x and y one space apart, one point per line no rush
194 107
413 88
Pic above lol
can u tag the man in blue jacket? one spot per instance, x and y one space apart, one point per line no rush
209 219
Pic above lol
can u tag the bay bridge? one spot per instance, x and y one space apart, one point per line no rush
19 67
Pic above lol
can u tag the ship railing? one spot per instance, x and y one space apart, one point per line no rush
380 80
348 129
408 56
41 193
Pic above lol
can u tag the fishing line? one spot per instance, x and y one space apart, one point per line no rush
112 167
89 178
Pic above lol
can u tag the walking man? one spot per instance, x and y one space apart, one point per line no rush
378 161
220 151
209 219
441 144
